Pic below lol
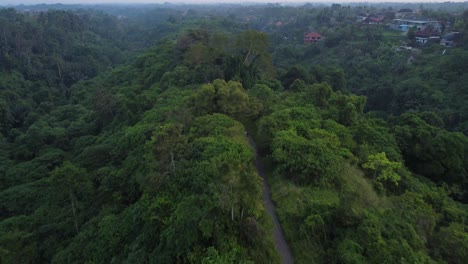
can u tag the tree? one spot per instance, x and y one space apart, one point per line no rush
321 92
336 78
263 93
5 116
289 118
233 99
228 98
430 151
252 59
411 36
169 145
70 184
294 73
314 156
197 54
452 243
104 106
383 169
222 147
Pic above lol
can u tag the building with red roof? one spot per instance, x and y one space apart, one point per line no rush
312 37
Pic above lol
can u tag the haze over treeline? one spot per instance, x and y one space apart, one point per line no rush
32 2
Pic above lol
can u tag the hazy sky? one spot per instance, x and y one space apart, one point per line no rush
16 2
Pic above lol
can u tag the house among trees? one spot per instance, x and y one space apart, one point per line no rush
312 37
374 19
405 24
361 17
427 36
448 40
404 12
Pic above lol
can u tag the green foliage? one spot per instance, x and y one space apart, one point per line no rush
225 97
296 118
451 243
16 247
293 74
357 197
150 162
252 46
305 214
321 93
70 187
383 169
311 157
430 151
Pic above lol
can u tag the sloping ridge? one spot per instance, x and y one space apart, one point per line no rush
280 242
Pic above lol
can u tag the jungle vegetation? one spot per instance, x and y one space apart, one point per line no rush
122 135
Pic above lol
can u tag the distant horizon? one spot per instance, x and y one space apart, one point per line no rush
137 2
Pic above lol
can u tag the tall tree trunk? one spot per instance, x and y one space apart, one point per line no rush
232 205
59 70
74 211
375 172
232 212
172 162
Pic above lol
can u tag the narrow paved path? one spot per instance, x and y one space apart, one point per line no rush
278 235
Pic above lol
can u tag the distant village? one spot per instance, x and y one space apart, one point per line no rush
408 21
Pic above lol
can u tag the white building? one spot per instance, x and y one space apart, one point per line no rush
405 24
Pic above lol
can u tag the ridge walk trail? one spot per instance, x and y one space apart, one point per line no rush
280 241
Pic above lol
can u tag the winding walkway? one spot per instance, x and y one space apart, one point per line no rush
280 241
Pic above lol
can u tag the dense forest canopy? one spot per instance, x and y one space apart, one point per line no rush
126 133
